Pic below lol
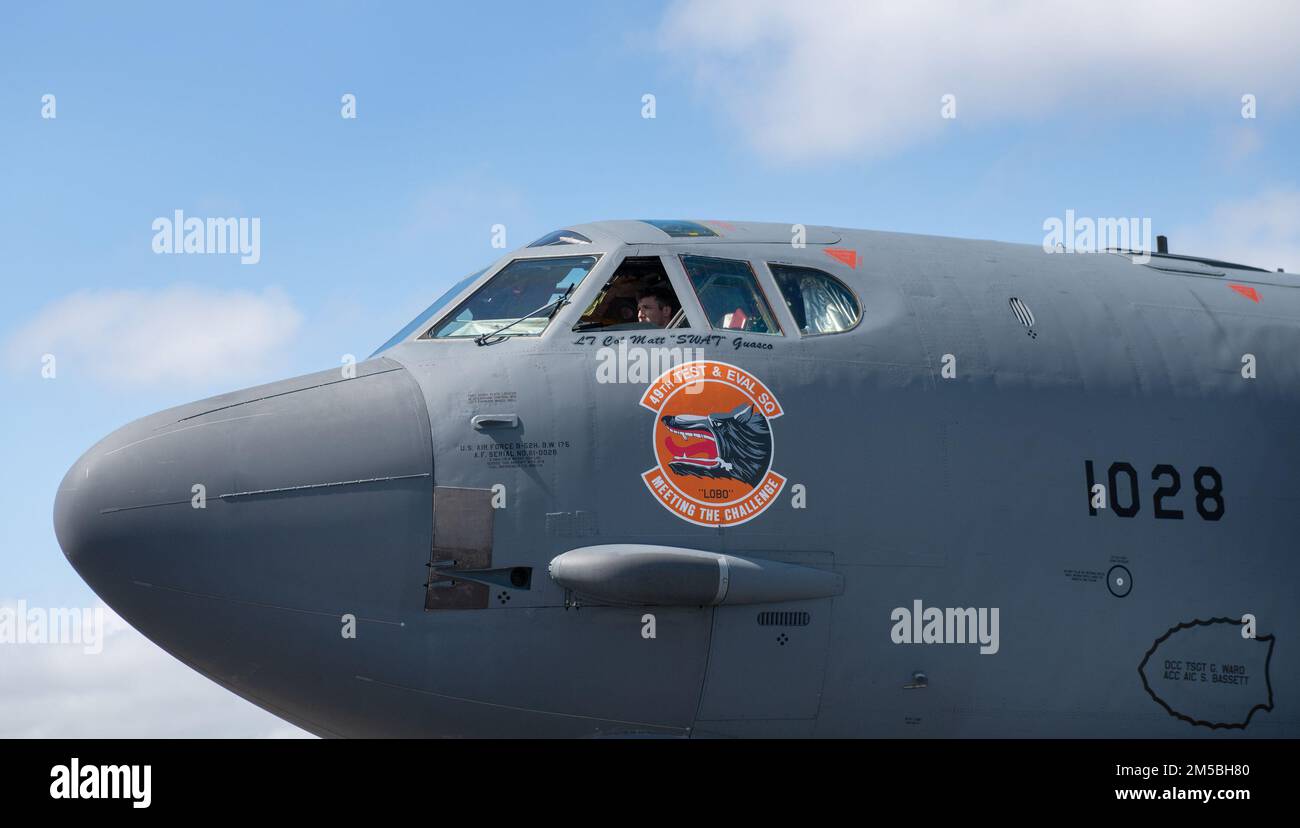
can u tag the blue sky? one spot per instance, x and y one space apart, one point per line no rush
470 115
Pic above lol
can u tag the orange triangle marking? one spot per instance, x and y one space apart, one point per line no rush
848 257
1247 291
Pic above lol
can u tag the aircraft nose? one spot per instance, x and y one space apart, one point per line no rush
312 495
76 512
140 468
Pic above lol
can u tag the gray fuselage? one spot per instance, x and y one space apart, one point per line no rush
941 452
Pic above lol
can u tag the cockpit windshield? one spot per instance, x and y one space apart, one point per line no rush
521 289
429 312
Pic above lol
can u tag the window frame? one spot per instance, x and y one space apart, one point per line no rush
426 336
857 299
677 279
537 245
763 292
413 335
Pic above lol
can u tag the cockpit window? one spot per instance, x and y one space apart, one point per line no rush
681 229
819 302
638 296
561 237
429 312
730 295
523 293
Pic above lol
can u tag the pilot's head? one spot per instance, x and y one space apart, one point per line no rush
656 306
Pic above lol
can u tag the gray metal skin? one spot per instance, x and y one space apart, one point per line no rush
961 492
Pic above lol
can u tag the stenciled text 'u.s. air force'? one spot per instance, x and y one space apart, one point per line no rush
713 443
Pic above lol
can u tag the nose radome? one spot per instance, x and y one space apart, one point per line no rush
311 493
142 467
77 505
69 525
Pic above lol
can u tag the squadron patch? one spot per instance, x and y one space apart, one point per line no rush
713 444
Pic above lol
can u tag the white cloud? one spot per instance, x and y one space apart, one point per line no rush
848 77
183 334
132 689
1262 230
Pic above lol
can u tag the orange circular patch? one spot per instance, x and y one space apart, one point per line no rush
713 443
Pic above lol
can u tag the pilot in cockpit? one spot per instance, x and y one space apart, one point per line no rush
656 306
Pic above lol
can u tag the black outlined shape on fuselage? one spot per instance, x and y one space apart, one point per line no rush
1268 658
